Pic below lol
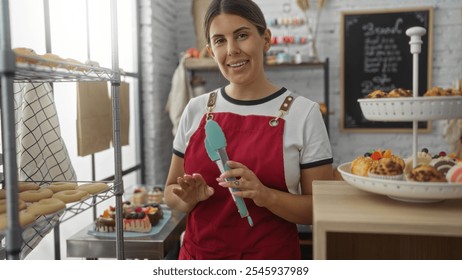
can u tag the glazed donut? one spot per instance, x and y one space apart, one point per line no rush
2 194
25 218
93 188
46 206
61 186
35 195
68 196
21 205
27 186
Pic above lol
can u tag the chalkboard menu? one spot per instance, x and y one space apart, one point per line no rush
376 55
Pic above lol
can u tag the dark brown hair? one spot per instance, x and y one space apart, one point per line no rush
243 8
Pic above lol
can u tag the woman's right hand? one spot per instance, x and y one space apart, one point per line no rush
192 189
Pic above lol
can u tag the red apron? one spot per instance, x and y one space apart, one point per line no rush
215 229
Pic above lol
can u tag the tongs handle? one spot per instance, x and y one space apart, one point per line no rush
240 203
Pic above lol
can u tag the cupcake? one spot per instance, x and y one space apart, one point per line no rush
387 169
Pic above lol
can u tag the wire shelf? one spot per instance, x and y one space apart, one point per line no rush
81 206
47 70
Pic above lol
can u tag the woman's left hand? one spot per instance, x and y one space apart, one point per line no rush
248 184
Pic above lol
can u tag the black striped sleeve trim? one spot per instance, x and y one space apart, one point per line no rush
316 163
180 154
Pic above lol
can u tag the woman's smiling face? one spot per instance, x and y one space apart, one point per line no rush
238 48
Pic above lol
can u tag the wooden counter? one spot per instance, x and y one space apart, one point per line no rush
349 223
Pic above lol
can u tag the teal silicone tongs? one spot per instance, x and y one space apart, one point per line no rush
215 144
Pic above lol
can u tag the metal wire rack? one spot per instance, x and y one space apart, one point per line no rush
38 69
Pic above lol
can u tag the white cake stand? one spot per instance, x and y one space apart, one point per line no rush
413 109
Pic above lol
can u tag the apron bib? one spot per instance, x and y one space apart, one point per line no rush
215 229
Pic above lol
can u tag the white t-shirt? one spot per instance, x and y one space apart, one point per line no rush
306 142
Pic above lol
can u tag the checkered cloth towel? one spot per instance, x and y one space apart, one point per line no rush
41 152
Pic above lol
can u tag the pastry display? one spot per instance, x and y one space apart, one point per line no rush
425 173
25 218
46 206
377 94
26 55
21 205
438 91
139 196
380 162
61 186
134 219
156 195
360 165
105 222
35 195
68 196
443 164
73 64
27 186
423 157
93 188
137 221
154 213
400 92
51 60
387 169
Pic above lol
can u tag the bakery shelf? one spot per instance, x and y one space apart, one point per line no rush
32 72
34 68
407 191
411 108
34 233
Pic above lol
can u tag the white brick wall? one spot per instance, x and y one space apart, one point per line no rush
170 25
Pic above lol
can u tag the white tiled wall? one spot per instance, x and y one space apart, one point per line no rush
168 26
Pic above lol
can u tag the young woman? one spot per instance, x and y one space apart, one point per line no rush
275 156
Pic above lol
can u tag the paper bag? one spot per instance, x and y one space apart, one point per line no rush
94 117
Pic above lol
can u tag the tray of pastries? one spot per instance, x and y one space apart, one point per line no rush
400 105
434 178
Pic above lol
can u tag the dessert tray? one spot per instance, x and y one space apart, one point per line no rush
411 108
155 229
402 190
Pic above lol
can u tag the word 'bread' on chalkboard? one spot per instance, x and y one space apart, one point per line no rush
376 55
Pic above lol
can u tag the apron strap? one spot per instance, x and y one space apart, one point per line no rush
285 106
